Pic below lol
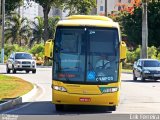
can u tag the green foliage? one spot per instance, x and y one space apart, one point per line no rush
47 4
18 30
8 49
158 56
82 7
132 24
38 27
10 5
135 54
52 21
37 50
37 31
152 52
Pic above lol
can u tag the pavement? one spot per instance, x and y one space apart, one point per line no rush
136 97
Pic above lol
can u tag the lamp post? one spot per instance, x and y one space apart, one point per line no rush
144 51
3 24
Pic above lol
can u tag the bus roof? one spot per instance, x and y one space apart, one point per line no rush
88 20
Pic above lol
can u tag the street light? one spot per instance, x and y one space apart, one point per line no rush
144 50
3 24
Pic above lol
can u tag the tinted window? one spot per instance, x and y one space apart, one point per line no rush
151 64
23 56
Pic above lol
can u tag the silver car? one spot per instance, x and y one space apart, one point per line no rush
19 61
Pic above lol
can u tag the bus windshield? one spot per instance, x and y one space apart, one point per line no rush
86 55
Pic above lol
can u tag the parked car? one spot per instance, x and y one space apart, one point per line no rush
19 61
146 69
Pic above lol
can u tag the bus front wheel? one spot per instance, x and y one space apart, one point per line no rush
112 108
59 107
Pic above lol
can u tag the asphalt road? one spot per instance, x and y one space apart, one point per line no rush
136 97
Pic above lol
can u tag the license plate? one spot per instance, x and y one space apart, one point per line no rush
157 75
85 99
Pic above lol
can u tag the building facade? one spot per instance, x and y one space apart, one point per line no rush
106 7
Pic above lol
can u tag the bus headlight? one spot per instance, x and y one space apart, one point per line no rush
59 88
109 90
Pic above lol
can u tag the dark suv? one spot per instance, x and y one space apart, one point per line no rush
146 69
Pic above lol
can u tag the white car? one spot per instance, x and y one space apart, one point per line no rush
19 61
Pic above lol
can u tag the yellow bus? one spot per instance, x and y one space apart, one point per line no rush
87 57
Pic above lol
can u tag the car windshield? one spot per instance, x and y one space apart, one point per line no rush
87 55
23 56
151 64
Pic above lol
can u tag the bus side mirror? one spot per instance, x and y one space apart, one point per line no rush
48 49
123 51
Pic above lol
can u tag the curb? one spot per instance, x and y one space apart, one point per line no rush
19 100
127 72
44 66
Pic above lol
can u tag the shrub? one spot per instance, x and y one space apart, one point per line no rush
152 52
8 49
37 50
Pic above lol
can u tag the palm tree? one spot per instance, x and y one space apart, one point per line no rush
38 29
17 30
52 21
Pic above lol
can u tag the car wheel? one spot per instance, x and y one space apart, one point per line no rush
155 79
7 69
142 78
134 77
27 71
34 71
14 70
59 107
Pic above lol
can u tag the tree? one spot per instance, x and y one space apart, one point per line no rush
18 30
132 24
12 4
82 7
52 26
37 30
47 4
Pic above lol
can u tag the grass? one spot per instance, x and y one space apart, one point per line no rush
12 87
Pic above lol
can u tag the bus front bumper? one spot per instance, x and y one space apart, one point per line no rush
108 99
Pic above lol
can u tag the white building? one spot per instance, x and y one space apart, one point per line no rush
29 11
53 12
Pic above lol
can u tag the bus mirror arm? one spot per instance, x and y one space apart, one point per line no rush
50 58
122 60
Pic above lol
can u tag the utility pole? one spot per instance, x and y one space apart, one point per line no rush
106 8
144 30
3 24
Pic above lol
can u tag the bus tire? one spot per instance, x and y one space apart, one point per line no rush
59 107
112 108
